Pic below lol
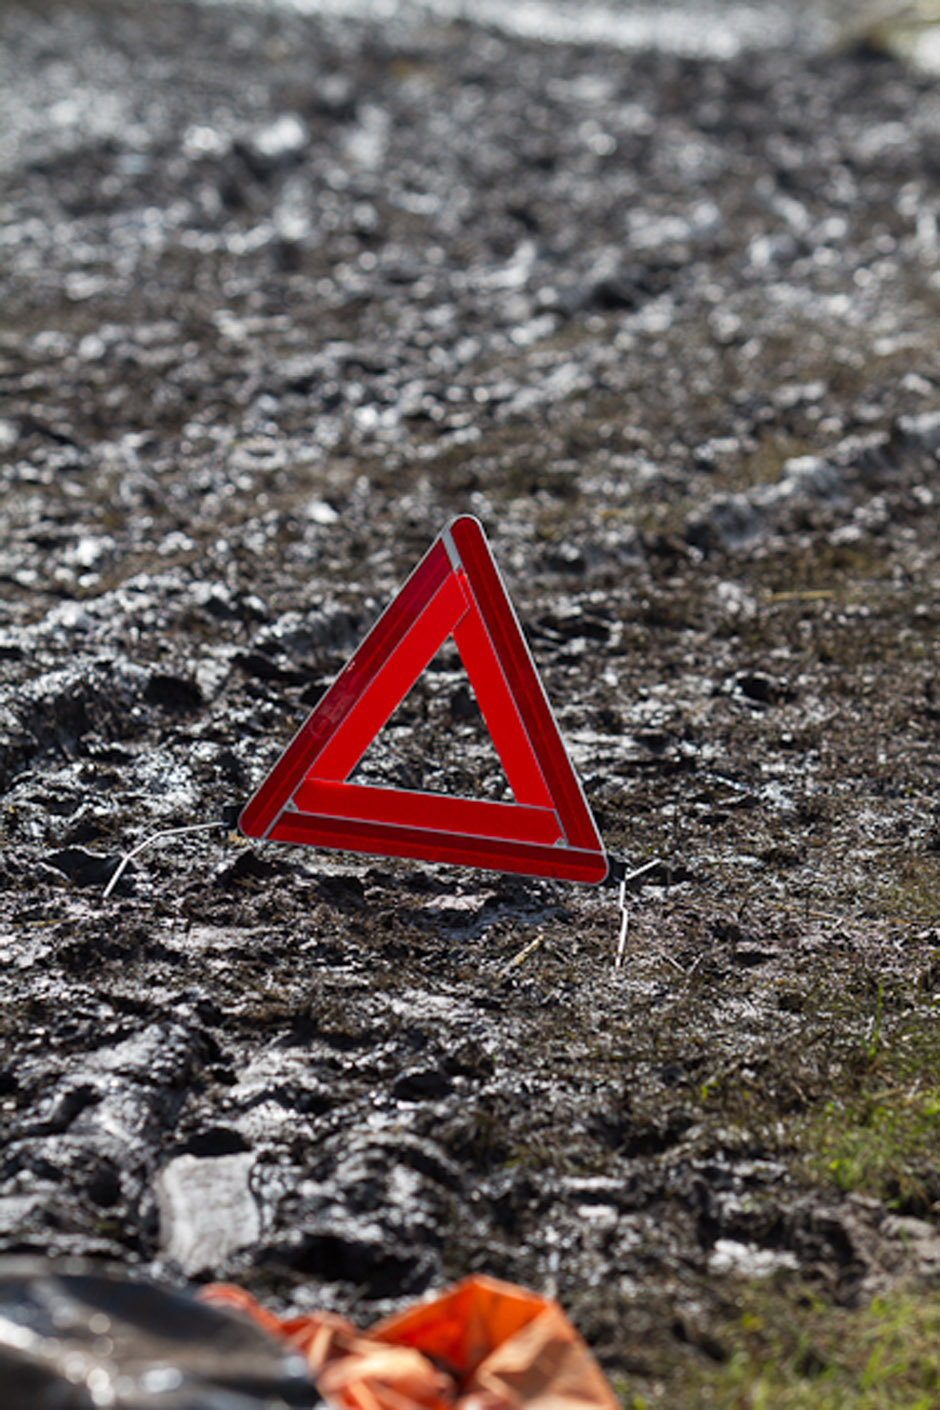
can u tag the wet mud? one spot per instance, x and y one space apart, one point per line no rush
281 296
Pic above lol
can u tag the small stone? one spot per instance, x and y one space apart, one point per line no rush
463 706
83 868
922 431
172 692
422 1084
759 687
807 477
207 1210
730 521
279 143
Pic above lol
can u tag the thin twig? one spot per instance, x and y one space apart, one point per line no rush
624 914
523 954
154 837
624 921
641 871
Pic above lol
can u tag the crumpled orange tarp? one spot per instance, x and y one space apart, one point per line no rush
480 1345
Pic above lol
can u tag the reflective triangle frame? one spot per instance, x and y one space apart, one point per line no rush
456 590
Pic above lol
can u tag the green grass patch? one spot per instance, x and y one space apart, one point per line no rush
886 1144
880 1134
912 889
856 1104
789 1351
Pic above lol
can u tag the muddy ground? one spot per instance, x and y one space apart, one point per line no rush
281 296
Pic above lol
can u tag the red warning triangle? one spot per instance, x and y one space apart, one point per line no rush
456 590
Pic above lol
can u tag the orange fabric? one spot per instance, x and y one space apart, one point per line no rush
481 1345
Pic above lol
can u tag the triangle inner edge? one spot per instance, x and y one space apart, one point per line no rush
437 729
451 612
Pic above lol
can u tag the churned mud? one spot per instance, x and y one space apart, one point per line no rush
281 296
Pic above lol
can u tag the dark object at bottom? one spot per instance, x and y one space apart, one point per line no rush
74 1337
